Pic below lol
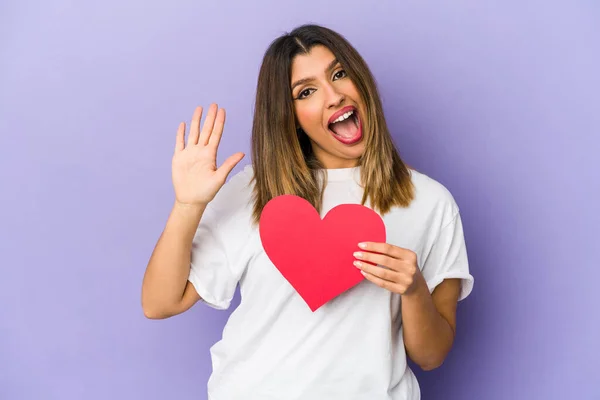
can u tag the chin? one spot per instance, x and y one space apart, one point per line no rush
352 155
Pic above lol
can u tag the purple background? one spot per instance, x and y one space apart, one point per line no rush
499 101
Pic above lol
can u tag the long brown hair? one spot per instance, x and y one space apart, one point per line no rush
282 156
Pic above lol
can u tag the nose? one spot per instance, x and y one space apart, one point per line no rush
334 98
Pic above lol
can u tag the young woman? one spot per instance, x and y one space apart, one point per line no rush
319 133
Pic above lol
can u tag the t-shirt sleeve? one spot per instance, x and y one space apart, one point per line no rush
217 260
210 270
448 258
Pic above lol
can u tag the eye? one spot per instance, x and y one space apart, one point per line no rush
305 93
340 74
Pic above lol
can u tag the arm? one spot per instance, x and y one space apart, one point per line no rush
165 288
429 322
196 180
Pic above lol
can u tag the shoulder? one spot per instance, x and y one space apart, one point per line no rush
235 196
431 196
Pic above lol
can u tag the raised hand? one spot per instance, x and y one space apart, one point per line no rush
196 178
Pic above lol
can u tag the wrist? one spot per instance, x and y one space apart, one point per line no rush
419 289
189 208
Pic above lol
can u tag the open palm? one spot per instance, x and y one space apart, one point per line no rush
196 178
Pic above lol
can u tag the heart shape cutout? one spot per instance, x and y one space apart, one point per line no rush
316 255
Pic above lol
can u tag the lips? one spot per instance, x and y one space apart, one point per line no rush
347 137
341 112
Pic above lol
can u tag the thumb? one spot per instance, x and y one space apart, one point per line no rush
225 169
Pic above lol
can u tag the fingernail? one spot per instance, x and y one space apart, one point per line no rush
357 264
358 254
362 245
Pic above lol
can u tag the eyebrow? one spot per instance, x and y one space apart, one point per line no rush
311 78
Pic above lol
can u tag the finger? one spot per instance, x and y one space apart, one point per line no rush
209 123
224 170
388 249
391 286
180 138
383 273
217 132
379 259
195 127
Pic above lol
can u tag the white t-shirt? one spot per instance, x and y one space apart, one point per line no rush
273 346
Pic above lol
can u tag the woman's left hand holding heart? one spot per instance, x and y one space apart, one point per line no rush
396 268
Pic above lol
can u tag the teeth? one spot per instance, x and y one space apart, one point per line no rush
344 117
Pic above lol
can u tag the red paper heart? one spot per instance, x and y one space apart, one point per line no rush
314 255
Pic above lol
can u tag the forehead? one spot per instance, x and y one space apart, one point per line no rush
312 64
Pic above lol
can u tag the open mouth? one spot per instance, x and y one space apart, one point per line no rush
346 126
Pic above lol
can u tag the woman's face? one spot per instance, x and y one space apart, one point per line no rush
328 108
